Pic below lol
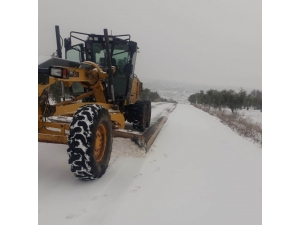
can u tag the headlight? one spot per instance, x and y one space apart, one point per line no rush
56 72
60 72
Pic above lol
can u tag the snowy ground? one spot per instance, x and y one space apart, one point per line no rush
198 171
254 115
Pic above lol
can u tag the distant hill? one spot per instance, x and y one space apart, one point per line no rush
181 91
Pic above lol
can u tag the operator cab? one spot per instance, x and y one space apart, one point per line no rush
122 52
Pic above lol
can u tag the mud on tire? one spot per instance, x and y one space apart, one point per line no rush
90 130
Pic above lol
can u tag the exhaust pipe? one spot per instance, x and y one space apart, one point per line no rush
57 33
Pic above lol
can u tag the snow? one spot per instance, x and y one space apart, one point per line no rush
125 147
159 109
254 115
198 171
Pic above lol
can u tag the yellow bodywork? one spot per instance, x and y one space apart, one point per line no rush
57 132
136 90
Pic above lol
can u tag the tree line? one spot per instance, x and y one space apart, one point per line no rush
228 98
147 94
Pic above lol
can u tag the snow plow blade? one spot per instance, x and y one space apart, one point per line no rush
145 139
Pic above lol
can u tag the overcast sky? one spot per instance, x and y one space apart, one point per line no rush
208 42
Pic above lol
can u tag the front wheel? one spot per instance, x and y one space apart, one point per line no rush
90 142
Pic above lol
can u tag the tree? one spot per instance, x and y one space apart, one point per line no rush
232 100
216 101
248 101
154 96
223 98
145 94
228 98
199 97
241 97
192 99
256 99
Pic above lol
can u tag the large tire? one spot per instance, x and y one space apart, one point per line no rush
90 142
148 103
140 117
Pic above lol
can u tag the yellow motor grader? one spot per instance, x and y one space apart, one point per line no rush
99 93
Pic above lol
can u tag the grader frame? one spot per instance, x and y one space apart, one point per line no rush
109 96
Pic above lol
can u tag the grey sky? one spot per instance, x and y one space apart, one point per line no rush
208 42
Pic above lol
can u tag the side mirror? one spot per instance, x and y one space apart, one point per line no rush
75 53
132 46
67 43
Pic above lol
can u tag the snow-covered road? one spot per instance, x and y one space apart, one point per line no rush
198 171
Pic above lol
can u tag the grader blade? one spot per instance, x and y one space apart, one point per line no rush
145 139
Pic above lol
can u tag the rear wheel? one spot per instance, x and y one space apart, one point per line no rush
90 142
148 103
140 121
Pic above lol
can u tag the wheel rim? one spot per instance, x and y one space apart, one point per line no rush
100 143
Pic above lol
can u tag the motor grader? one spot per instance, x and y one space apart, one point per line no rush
99 93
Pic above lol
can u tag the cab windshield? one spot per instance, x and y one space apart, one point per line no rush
120 58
